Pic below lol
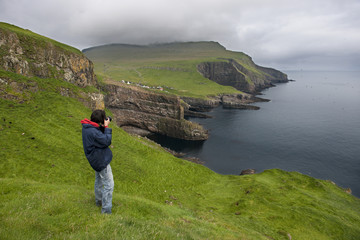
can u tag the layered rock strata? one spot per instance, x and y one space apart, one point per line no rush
201 105
230 72
224 73
157 113
31 57
233 101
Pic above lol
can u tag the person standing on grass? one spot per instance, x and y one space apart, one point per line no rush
96 138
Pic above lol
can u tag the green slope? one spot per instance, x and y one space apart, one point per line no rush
47 185
172 65
34 38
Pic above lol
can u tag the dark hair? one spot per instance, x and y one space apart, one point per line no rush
98 116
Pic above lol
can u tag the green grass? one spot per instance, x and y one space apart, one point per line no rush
172 65
31 37
46 184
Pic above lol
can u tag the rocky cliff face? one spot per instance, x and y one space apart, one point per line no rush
231 73
29 56
274 75
156 113
224 73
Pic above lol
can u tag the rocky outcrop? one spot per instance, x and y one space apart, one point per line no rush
249 78
231 72
236 101
201 105
261 78
232 101
224 73
274 75
30 56
153 112
23 91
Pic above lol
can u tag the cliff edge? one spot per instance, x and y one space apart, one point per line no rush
30 54
135 108
201 73
249 78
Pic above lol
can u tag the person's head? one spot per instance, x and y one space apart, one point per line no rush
98 116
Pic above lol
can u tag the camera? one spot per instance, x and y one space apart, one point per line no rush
109 118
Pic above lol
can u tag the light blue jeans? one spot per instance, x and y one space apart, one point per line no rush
104 187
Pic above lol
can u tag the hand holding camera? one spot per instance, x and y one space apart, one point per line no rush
107 121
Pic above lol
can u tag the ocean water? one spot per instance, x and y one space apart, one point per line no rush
311 126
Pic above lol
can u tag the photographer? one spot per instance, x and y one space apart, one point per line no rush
96 138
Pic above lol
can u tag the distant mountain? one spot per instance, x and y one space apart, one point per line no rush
165 64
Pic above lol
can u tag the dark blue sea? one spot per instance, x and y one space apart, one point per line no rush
311 126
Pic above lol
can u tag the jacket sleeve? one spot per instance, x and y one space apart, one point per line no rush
103 140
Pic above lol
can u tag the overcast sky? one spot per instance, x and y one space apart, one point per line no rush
284 34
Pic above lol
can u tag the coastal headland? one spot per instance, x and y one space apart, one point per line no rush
200 75
46 192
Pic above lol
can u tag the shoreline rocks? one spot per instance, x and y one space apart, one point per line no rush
196 107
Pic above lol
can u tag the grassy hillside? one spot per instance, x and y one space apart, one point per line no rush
46 183
32 37
172 65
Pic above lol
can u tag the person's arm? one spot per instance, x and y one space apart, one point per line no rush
103 140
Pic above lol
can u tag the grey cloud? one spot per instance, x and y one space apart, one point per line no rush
280 33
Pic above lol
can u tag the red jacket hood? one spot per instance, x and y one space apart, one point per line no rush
87 121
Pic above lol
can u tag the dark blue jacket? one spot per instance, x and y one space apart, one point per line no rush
96 145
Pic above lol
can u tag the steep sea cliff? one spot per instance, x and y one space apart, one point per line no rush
203 75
